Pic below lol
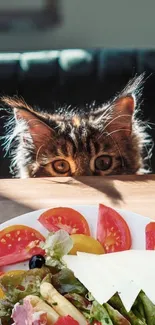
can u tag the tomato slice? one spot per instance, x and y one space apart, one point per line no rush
66 320
67 219
19 243
150 236
112 230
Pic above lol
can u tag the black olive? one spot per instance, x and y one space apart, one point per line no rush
36 261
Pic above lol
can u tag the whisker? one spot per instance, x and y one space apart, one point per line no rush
109 123
115 118
115 131
52 138
39 122
37 154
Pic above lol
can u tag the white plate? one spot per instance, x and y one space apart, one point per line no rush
136 223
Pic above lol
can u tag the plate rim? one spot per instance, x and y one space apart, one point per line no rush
5 224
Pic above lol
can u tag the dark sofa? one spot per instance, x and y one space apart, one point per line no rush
74 77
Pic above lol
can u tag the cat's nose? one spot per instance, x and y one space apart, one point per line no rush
82 166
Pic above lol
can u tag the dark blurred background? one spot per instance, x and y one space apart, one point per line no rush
75 51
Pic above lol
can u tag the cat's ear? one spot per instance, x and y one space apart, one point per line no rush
123 107
117 115
37 128
122 112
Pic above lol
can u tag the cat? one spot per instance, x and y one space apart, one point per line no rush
109 140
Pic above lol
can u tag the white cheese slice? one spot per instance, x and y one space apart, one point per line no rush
92 275
139 267
120 279
125 272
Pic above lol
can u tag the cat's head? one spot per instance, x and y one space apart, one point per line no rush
106 141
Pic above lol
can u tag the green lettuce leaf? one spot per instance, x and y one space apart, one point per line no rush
138 309
149 308
117 304
65 282
100 314
115 316
5 308
17 287
56 246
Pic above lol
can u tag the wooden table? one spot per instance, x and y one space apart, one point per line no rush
135 193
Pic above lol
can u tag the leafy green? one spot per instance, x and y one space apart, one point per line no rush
98 313
17 287
56 246
91 309
116 303
115 316
90 297
5 307
5 311
65 282
149 308
138 309
79 302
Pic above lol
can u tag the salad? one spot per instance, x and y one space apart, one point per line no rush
47 292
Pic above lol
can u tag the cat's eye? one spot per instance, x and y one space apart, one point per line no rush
103 162
61 166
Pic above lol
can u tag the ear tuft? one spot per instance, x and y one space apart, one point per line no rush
15 102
